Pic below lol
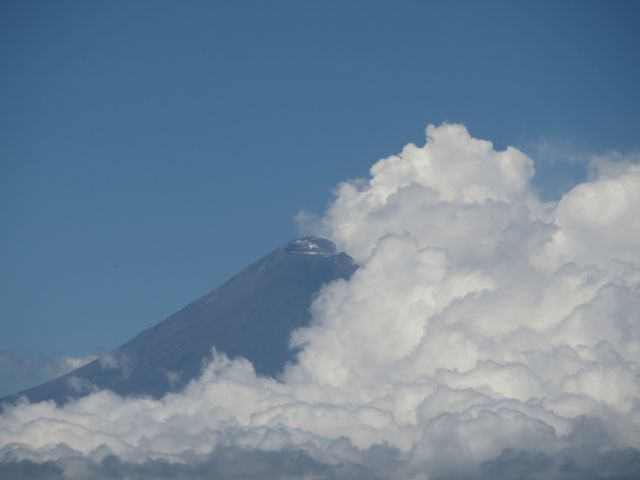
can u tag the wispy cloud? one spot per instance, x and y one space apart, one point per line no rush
18 372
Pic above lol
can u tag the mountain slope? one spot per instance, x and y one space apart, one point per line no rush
251 315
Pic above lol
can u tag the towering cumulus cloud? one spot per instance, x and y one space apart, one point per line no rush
486 334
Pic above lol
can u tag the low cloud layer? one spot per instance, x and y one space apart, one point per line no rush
486 334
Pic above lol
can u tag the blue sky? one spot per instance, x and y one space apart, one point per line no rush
149 150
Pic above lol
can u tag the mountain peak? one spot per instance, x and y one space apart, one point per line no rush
311 246
252 315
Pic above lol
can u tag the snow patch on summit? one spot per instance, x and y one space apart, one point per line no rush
311 246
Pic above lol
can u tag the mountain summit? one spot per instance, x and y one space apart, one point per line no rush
251 316
311 246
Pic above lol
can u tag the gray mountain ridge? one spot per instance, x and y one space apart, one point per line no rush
251 316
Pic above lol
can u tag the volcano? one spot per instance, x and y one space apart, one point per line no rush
250 316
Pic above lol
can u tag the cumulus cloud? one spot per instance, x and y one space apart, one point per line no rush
225 463
598 220
486 334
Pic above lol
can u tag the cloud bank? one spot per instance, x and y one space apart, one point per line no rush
486 334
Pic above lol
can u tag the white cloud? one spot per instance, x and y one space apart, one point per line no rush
598 221
480 319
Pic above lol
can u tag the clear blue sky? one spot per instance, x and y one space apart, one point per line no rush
150 149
